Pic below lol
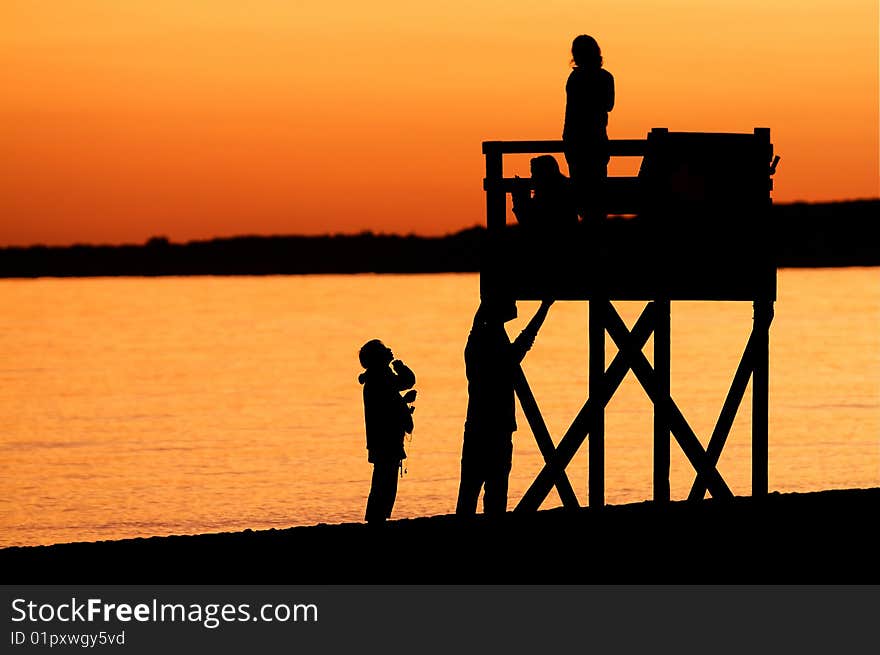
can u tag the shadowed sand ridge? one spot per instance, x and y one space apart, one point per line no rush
825 537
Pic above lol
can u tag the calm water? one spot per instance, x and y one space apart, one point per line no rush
132 407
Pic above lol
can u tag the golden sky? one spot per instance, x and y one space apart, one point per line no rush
124 119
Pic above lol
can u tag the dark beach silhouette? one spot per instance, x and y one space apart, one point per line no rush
823 537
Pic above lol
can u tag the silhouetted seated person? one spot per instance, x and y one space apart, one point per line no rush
549 222
551 209
388 418
491 362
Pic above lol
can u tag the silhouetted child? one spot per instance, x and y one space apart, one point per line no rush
589 96
491 363
387 418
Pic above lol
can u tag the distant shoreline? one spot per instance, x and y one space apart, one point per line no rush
820 235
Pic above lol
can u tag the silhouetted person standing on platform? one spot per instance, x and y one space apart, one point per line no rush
589 96
491 362
387 418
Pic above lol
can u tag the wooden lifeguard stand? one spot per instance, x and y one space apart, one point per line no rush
699 230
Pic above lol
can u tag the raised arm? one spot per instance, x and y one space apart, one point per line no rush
527 337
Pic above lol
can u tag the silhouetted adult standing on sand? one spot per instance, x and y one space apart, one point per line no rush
387 418
589 96
490 363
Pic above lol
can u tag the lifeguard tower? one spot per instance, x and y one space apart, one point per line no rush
697 230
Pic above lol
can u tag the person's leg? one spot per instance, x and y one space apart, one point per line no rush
593 183
473 472
391 494
575 174
383 490
497 479
469 487
374 512
588 171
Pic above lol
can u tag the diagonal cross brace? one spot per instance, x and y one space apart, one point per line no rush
690 444
542 435
576 434
727 414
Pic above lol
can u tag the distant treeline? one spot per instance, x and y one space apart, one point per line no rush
829 234
803 235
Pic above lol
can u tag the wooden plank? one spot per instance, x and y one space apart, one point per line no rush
507 184
599 307
628 275
646 289
683 433
622 193
662 373
728 413
579 429
763 316
542 435
617 147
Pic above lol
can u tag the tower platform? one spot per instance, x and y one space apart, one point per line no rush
693 225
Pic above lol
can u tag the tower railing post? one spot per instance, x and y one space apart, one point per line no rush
496 206
597 392
496 219
662 366
763 316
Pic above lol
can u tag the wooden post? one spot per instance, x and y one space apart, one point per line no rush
496 202
763 315
491 282
662 357
598 393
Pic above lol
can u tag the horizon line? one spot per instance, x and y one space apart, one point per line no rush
160 239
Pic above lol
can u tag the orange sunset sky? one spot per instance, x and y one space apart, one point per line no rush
125 119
